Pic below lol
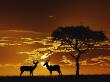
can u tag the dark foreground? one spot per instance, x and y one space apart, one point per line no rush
69 78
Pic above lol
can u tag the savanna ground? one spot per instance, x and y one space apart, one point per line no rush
69 78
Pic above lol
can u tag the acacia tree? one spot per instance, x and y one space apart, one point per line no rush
79 38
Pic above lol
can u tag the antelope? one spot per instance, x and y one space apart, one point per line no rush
28 68
52 68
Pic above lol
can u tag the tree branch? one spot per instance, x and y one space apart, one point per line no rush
73 56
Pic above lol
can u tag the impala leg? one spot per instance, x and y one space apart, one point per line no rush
60 72
32 73
50 73
21 73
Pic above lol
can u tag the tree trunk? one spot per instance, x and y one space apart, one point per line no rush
77 68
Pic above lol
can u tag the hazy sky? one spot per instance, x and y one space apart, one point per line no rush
46 15
25 26
19 47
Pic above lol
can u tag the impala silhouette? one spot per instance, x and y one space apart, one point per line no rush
52 68
29 68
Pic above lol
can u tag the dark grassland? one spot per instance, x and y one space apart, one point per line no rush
66 78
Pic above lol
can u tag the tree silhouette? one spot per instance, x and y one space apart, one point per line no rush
79 38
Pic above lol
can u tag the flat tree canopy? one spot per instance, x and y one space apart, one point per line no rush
79 38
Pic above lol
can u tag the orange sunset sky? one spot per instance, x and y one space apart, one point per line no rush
26 26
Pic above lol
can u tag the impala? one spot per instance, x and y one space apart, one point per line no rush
52 68
29 68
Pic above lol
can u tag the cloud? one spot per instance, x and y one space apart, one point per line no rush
4 40
14 44
97 61
32 55
25 31
3 44
4 37
52 17
46 55
35 55
47 49
7 41
26 39
10 65
44 41
53 46
9 44
28 53
84 62
66 61
101 58
33 41
33 52
30 42
101 61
